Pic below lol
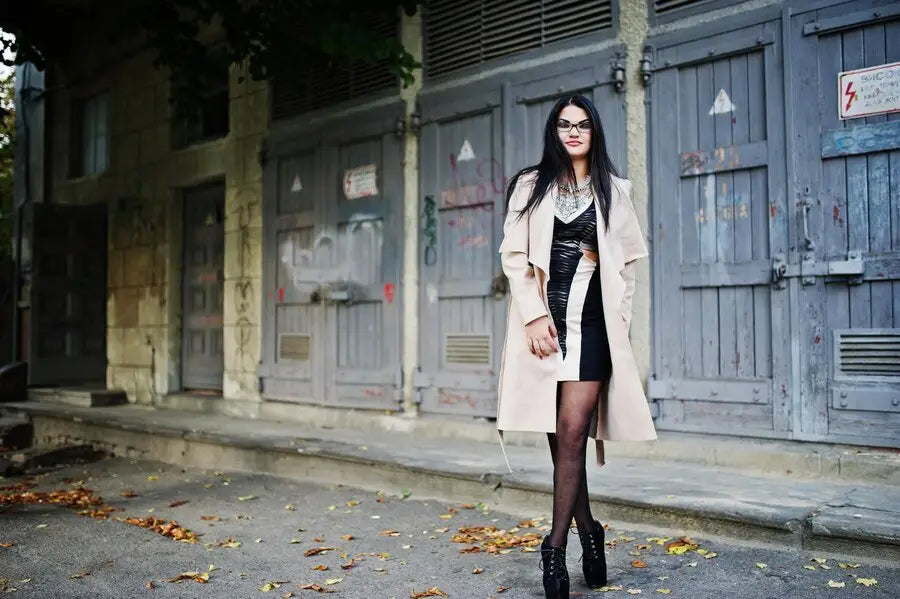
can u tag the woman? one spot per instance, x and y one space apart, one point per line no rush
569 244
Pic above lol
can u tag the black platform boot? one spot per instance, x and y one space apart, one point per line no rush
556 576
593 560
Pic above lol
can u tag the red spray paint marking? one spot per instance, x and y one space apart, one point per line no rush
281 295
389 292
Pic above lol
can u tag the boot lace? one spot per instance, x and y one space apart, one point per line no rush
556 564
589 545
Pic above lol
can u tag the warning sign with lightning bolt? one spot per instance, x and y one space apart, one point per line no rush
870 91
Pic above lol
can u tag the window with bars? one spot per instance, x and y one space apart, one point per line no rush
325 85
461 34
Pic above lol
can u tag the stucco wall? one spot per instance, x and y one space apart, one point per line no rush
142 189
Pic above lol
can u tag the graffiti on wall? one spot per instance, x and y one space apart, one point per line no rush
243 291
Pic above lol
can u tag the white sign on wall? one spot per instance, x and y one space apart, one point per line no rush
869 91
360 182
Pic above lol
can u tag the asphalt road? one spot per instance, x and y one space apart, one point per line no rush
253 531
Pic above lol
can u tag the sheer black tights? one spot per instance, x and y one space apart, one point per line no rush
576 405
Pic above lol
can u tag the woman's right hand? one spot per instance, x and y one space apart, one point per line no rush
541 336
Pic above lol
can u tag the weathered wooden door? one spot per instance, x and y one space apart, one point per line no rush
202 288
333 230
721 330
473 141
68 295
462 300
846 193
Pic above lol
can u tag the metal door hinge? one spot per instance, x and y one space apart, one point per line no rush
808 270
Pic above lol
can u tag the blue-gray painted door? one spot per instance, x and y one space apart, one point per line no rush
846 194
333 204
721 330
473 139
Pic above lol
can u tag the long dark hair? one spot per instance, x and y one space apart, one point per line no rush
556 165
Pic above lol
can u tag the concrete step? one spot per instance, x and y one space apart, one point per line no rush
15 433
758 456
85 398
38 458
852 518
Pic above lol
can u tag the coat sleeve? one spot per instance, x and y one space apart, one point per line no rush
633 247
523 285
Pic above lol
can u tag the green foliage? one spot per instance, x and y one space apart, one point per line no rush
7 134
278 39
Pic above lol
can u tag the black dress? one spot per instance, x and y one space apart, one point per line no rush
573 296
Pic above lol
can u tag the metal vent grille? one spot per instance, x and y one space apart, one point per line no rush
666 6
294 346
467 349
460 34
325 85
868 352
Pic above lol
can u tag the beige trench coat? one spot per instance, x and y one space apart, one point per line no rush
527 385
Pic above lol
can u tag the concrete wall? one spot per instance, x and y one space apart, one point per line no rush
142 189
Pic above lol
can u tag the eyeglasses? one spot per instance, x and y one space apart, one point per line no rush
564 126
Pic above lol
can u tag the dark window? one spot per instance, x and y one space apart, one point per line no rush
204 118
461 34
325 85
89 150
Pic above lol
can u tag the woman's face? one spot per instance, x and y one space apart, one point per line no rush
574 128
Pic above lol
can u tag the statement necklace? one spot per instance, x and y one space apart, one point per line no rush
571 201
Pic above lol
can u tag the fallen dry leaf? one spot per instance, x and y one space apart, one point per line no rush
331 581
493 540
836 585
128 493
681 546
320 567
79 575
389 533
664 591
211 518
610 588
848 566
761 565
634 591
287 595
7 544
638 564
289 507
867 582
348 565
352 503
348 537
502 589
229 543
247 498
314 587
319 539
178 502
477 570
317 551
195 576
150 586
432 592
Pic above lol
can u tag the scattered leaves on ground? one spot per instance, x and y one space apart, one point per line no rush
493 540
638 564
166 528
229 543
317 551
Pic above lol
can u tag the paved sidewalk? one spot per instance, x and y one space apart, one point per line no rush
255 530
844 517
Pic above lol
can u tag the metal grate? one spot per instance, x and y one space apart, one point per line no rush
294 346
460 34
868 352
467 349
325 85
666 6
